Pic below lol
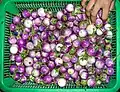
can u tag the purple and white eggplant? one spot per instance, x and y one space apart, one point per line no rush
44 70
61 82
28 61
48 48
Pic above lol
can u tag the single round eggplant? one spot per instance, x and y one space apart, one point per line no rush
109 62
16 20
44 35
34 14
63 69
12 57
28 23
91 82
16 77
76 29
14 49
77 67
83 62
68 65
18 58
71 18
91 29
67 32
54 73
29 70
59 25
38 55
51 64
46 47
58 61
47 79
44 54
13 68
70 71
25 36
37 80
12 40
37 22
107 53
74 59
91 60
30 45
59 15
28 61
21 69
73 37
82 70
35 73
23 79
75 75
44 70
26 14
80 52
99 22
46 21
99 32
70 24
32 54
109 35
36 66
27 30
84 75
62 82
41 12
98 71
70 7
21 42
66 59
91 51
110 71
85 43
66 75
107 27
99 64
82 33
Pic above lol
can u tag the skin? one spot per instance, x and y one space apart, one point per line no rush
94 6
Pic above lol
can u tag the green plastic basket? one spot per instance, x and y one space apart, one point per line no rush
9 8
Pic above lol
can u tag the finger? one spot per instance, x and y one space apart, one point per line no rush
90 5
95 11
83 3
112 5
105 12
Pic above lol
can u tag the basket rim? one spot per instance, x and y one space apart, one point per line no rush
8 89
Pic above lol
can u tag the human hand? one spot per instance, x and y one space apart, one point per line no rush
94 6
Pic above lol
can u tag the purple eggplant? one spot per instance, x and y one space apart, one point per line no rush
44 70
47 79
13 68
